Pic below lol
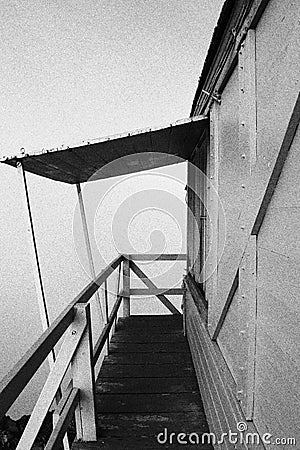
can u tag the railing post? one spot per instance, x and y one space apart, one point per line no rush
106 311
126 287
84 378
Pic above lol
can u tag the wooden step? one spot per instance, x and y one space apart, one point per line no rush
151 324
150 403
146 337
149 358
146 385
141 370
152 347
151 424
135 443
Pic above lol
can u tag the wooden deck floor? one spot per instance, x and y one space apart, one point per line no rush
146 385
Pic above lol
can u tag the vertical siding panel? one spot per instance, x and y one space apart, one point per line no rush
213 206
248 317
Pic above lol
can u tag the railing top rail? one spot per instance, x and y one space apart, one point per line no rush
89 290
17 378
157 257
15 381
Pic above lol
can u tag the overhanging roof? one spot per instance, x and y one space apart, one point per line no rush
104 157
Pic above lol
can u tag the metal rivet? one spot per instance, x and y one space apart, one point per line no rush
74 332
243 156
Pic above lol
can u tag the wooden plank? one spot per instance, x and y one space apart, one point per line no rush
146 385
152 347
141 403
150 424
248 294
250 47
110 370
105 332
253 16
247 105
153 318
151 285
143 337
84 378
158 257
143 442
278 166
213 210
197 295
252 217
126 288
54 442
62 402
14 382
156 291
149 358
214 379
52 384
146 327
85 295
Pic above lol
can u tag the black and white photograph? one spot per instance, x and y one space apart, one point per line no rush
150 224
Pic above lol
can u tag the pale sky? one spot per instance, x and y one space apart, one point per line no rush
74 70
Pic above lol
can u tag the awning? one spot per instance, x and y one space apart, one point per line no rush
106 157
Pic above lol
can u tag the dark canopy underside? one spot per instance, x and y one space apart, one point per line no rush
116 155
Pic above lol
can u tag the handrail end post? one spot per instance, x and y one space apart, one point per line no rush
84 378
126 287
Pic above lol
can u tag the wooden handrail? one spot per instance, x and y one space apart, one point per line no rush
157 257
86 294
52 385
156 291
15 381
62 425
105 332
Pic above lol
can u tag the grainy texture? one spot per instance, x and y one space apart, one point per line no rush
149 388
229 338
277 384
217 387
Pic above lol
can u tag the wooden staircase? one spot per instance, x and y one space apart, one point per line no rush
147 384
